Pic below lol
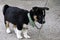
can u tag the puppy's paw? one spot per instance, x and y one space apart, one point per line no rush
26 36
19 37
8 30
18 33
15 30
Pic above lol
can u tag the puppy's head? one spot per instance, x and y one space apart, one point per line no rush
38 14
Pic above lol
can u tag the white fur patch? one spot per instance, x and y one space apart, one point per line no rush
25 26
7 22
15 30
8 30
18 33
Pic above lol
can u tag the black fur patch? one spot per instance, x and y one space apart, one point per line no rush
39 12
18 16
15 16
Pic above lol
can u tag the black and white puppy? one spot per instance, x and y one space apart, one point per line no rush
38 14
19 18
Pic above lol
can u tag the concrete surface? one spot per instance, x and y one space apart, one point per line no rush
50 30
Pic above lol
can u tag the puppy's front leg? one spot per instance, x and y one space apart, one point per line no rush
18 34
25 31
25 34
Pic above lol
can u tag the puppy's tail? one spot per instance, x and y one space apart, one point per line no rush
5 8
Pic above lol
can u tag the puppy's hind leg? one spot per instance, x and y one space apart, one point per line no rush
15 28
7 27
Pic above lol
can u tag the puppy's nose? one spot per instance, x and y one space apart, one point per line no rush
43 22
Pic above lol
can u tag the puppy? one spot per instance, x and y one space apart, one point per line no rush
19 18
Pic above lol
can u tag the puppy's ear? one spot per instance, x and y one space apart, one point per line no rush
34 8
46 8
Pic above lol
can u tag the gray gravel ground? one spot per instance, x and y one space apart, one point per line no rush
50 30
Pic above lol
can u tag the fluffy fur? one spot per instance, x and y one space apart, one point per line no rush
15 16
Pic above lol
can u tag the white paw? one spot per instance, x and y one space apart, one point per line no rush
19 37
26 36
15 30
8 30
18 33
